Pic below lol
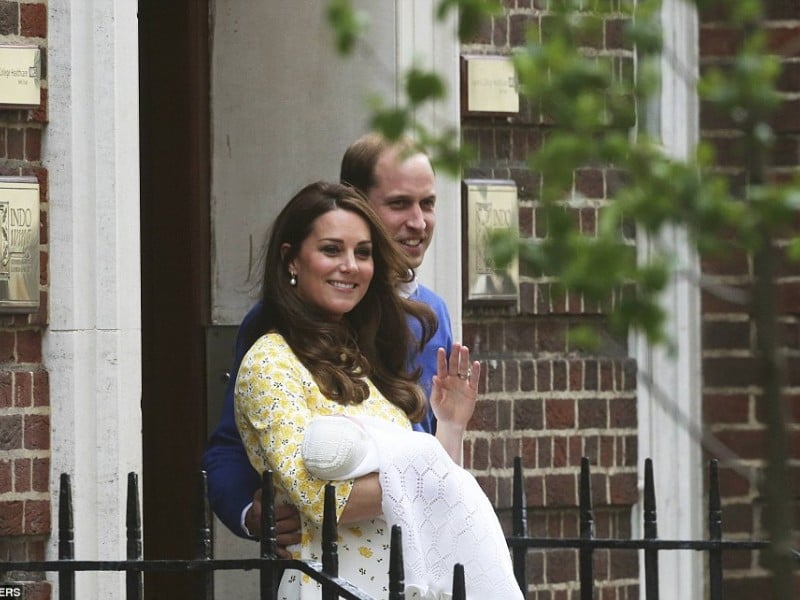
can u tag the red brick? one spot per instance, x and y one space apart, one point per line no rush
37 517
22 475
561 490
7 343
719 41
5 389
592 413
559 414
543 376
29 346
544 452
747 444
729 371
6 481
41 474
561 566
33 20
485 416
606 457
23 389
33 144
623 489
783 41
37 432
622 412
10 432
726 408
575 375
41 388
9 18
559 375
15 144
37 590
480 454
11 514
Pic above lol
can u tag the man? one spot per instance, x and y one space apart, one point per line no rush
399 183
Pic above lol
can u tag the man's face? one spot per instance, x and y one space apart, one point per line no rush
404 197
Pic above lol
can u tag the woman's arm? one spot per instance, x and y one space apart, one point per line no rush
364 501
453 397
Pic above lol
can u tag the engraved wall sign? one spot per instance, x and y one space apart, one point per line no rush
20 75
490 205
19 244
489 85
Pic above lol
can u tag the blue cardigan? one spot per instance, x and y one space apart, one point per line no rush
232 481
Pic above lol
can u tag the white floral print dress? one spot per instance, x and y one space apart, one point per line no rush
275 399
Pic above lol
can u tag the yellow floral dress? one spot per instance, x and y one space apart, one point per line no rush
275 399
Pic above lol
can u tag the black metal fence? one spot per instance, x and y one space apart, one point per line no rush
271 567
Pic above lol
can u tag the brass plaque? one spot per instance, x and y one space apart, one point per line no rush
20 75
491 205
19 244
491 85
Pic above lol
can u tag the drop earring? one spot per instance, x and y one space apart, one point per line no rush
292 279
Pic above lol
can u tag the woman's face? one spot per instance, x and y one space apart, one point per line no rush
334 265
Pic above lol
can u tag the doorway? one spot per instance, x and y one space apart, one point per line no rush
174 149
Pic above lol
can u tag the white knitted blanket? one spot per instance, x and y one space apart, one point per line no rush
444 515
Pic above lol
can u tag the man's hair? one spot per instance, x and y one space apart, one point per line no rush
360 158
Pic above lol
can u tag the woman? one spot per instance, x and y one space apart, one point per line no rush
332 339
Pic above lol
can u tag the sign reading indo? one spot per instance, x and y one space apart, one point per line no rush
19 244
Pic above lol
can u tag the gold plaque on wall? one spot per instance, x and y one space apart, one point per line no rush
20 75
490 205
489 85
19 244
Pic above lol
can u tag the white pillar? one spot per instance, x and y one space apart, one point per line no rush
425 41
669 405
92 348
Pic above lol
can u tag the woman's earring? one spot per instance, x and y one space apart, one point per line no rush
292 279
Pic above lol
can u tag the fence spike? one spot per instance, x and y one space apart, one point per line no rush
133 522
586 554
204 548
204 545
271 572
650 533
66 532
269 532
459 585
330 558
519 524
66 538
714 532
397 586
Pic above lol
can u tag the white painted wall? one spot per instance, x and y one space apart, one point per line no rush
669 406
92 348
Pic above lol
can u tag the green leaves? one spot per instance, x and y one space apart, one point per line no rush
347 24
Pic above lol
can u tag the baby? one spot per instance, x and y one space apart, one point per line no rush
444 515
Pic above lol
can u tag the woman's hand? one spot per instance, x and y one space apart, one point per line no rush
455 390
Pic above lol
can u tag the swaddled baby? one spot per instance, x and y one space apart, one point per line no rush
444 515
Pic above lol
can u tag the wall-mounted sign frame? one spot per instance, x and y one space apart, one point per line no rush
488 85
489 205
19 244
20 75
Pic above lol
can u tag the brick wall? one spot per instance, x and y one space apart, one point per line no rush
24 391
733 408
541 399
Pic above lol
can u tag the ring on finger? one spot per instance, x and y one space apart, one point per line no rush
465 375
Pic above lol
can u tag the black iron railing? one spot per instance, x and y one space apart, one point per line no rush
650 544
271 567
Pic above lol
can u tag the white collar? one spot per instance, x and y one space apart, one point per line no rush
406 289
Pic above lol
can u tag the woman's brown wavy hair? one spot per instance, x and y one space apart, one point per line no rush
373 339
